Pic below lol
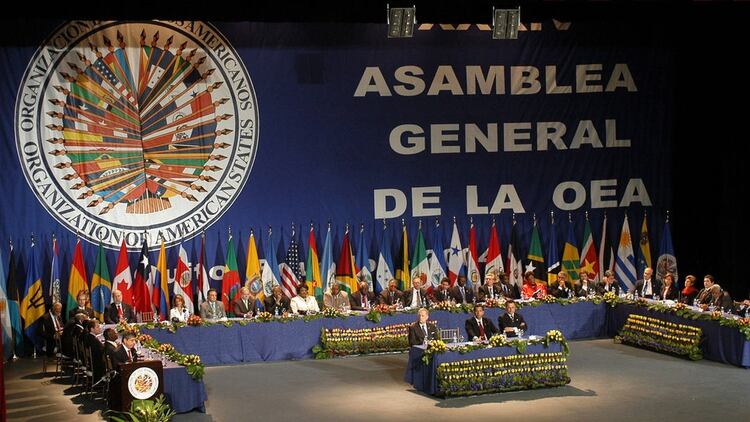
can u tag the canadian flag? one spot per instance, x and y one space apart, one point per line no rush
123 280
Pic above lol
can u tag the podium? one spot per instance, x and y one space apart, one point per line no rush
141 380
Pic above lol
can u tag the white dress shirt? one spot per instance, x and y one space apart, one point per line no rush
180 315
307 305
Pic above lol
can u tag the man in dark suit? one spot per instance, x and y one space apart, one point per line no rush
392 296
443 293
110 343
118 311
52 327
82 299
91 342
421 332
489 290
126 352
278 304
363 299
461 293
561 290
70 334
478 328
244 306
608 284
509 290
648 286
511 320
585 286
416 297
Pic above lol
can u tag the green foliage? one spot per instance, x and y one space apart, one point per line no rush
144 411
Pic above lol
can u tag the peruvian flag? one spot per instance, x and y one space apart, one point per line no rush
123 280
183 280
494 257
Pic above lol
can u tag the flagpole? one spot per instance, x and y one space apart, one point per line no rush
12 333
33 345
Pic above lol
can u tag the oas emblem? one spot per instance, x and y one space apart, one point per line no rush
143 383
125 127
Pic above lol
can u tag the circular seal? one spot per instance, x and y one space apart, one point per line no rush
143 383
131 127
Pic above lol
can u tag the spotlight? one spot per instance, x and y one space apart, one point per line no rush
401 21
505 23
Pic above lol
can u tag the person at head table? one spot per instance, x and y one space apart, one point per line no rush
532 289
126 352
392 296
416 297
277 303
688 294
461 293
648 287
608 284
118 311
362 299
212 309
489 290
244 305
668 289
336 298
82 298
585 286
479 328
180 312
303 304
711 293
562 291
420 332
443 293
511 321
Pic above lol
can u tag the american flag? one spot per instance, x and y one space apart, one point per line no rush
290 269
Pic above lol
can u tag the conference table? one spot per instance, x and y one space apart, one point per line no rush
424 376
272 341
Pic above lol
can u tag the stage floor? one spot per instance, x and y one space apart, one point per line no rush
610 382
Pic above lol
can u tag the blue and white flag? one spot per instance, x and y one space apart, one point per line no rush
667 262
625 261
384 271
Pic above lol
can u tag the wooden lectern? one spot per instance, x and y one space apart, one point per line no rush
142 380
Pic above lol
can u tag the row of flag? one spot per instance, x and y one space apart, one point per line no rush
148 288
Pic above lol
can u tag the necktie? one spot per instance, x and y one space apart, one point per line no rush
119 310
492 295
364 300
481 329
391 302
213 308
645 287
424 329
55 323
246 307
130 355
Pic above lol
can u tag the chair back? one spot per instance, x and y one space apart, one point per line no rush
145 316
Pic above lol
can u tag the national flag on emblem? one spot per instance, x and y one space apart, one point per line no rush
291 277
252 269
589 257
644 250
160 292
203 282
230 282
571 261
14 306
270 273
606 252
54 274
420 266
553 255
32 304
536 257
667 262
472 266
77 282
625 261
436 257
6 340
141 296
515 265
402 261
312 266
123 279
346 269
363 260
183 279
384 271
456 260
101 286
327 266
494 255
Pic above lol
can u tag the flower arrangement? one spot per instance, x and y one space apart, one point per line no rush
663 336
165 349
433 347
332 313
494 303
716 315
264 316
144 411
610 298
502 373
345 341
194 320
549 299
144 338
123 327
376 312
